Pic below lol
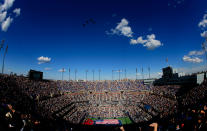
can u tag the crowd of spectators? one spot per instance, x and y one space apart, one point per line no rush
167 90
25 102
16 107
196 94
100 86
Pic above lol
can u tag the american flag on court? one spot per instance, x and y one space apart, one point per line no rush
108 122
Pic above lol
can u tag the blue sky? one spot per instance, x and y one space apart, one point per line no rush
54 29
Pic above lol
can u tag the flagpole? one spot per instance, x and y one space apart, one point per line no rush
167 62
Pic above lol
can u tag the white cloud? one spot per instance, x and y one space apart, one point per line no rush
192 69
122 29
47 68
7 4
17 11
192 55
204 34
196 53
5 24
203 23
43 59
62 70
3 16
4 7
192 59
133 41
126 31
151 43
138 41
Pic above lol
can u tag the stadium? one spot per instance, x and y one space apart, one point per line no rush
97 104
103 65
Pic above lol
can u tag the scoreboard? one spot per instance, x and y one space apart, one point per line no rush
35 75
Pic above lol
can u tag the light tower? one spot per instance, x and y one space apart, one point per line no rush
112 75
63 70
125 73
2 44
119 73
93 74
86 74
99 74
142 73
4 58
75 73
69 73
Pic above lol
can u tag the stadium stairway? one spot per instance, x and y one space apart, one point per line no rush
54 115
73 107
